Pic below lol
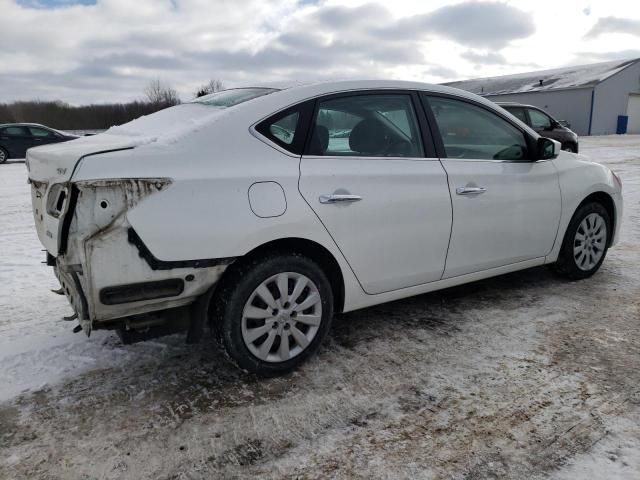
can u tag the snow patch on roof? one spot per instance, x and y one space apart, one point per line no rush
579 76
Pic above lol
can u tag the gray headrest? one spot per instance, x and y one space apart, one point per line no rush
369 137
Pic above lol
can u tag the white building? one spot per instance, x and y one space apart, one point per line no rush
589 97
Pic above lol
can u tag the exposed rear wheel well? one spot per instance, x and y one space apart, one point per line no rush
310 249
606 201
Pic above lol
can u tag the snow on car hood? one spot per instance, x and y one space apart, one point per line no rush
56 162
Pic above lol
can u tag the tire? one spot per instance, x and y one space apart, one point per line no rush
261 331
4 155
585 244
570 147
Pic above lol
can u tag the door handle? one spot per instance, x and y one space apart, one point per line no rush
339 198
470 190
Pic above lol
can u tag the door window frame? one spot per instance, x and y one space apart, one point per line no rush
428 147
437 136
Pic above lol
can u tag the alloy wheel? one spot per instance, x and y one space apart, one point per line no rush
589 241
281 317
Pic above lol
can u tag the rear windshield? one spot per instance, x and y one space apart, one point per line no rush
229 98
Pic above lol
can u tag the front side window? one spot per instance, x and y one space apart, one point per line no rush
229 98
539 120
376 125
40 132
470 131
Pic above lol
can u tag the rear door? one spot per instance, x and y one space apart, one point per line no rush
506 208
16 139
383 200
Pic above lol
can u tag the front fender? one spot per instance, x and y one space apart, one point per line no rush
579 177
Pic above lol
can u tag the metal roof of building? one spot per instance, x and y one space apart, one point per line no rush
559 78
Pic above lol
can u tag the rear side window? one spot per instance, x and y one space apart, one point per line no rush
287 128
372 125
284 129
14 131
469 131
517 112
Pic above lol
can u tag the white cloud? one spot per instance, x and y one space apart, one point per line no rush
111 50
615 25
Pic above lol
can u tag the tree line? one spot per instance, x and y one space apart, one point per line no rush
63 116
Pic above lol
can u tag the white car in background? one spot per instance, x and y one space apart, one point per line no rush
265 210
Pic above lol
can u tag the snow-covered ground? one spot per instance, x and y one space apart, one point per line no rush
521 376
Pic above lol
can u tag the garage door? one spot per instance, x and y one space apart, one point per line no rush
633 111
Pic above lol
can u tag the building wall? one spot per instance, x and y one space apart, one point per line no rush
612 97
633 111
571 105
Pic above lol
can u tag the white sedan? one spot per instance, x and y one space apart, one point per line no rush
262 211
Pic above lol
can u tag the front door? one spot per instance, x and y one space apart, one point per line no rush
366 177
43 136
541 122
506 208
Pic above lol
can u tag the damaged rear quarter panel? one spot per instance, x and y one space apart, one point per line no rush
98 244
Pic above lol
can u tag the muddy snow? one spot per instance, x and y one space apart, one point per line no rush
521 376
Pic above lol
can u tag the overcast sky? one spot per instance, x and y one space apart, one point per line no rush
82 51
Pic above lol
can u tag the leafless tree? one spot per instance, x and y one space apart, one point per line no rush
159 93
68 117
214 85
58 114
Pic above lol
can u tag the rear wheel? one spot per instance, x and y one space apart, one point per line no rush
273 313
585 243
4 155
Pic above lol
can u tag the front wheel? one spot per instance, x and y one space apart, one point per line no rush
3 155
272 313
585 243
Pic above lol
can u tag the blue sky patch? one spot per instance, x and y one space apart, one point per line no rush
45 4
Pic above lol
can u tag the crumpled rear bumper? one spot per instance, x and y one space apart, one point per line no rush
72 288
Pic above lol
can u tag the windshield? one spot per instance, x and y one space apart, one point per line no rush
229 98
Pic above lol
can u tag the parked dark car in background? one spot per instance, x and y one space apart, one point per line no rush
544 124
16 138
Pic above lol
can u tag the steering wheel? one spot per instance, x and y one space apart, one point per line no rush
510 153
